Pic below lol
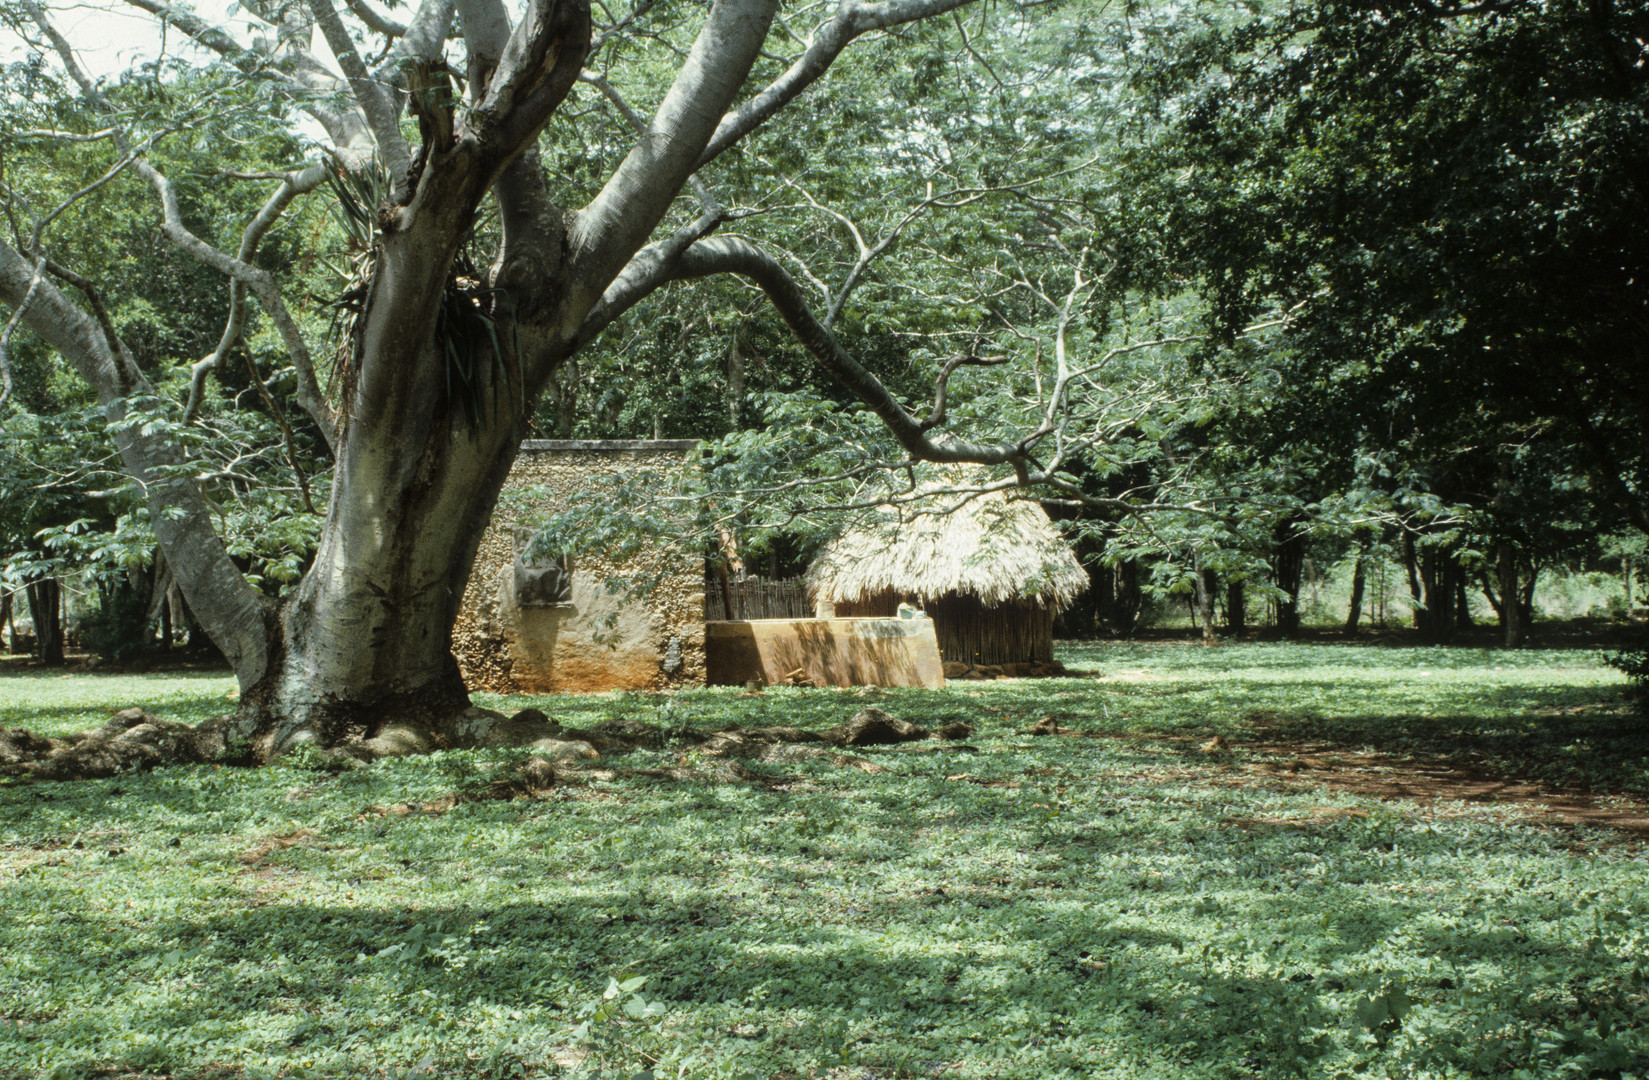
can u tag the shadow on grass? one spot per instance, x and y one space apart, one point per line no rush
1574 741
307 975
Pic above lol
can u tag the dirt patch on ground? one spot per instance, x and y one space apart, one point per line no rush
1426 782
1317 766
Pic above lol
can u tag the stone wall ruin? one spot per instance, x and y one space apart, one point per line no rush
531 626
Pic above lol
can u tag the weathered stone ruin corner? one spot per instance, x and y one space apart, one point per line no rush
533 629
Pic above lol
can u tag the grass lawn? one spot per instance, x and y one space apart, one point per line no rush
1151 901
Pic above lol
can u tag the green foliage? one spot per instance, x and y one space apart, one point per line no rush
1122 905
118 627
1634 664
605 1030
1391 174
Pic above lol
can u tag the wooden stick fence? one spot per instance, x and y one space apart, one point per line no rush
758 598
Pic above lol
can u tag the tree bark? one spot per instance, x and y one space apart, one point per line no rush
1204 584
1287 566
1359 583
46 609
1127 597
1510 607
1236 609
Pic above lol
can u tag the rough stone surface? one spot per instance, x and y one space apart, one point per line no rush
956 729
600 639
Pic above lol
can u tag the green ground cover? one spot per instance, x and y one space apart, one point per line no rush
1118 906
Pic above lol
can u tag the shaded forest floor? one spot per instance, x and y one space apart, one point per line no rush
1248 861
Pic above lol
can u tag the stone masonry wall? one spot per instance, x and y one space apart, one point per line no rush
599 640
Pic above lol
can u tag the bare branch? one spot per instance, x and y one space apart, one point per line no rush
11 326
735 255
309 393
308 85
377 102
707 201
425 37
941 385
531 76
259 281
652 266
376 22
44 135
621 25
486 35
230 609
850 21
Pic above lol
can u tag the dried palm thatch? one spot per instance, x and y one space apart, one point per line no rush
993 548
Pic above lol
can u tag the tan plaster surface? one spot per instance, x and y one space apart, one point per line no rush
603 639
830 652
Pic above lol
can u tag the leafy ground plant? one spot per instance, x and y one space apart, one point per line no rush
1153 890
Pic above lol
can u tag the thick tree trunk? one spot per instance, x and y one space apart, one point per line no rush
1437 581
1126 597
366 639
1236 609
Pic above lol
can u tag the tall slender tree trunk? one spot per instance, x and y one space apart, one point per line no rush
1202 604
735 381
1510 607
1359 583
46 609
1462 602
1287 566
1236 609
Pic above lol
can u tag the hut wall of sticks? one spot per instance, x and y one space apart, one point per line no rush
992 572
532 625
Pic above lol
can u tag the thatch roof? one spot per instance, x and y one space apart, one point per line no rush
990 546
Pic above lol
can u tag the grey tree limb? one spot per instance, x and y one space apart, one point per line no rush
375 20
310 84
851 20
377 102
230 610
635 199
735 255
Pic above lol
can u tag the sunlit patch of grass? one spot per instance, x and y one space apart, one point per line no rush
54 703
1022 907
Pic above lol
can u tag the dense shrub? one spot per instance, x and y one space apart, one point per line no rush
1634 664
118 628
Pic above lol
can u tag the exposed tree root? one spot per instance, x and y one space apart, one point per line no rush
134 740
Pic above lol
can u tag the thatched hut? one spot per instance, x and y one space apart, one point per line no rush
992 573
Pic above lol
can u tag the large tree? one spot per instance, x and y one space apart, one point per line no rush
490 261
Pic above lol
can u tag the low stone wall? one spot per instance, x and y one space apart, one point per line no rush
591 638
823 652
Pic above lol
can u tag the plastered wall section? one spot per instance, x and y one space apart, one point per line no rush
599 639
